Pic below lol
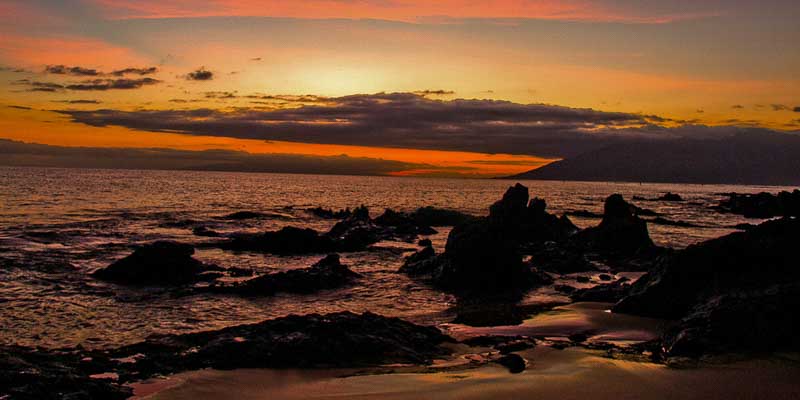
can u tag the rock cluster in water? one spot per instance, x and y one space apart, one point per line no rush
311 341
762 205
327 273
159 263
738 292
485 254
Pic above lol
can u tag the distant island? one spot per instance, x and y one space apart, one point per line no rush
765 158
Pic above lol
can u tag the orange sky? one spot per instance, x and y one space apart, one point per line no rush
712 63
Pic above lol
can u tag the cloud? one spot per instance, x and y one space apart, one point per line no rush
404 120
20 107
78 101
442 11
82 71
797 109
111 84
76 71
135 71
26 154
737 106
201 74
434 92
779 107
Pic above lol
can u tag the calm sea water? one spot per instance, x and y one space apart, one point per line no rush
59 225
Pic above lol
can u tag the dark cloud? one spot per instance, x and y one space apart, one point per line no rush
87 85
221 95
403 120
255 59
25 154
76 71
288 98
20 107
82 71
36 86
737 106
78 101
135 71
434 92
797 109
201 74
111 84
779 107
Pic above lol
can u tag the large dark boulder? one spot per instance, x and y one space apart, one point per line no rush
762 205
484 254
327 273
341 339
157 263
759 257
38 374
762 320
403 223
432 216
621 232
735 293
286 241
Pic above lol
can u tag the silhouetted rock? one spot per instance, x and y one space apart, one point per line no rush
559 259
603 293
762 205
157 263
286 241
242 215
341 339
328 213
356 232
737 292
38 374
669 196
205 231
484 254
419 263
762 256
621 232
402 223
564 289
327 273
757 320
425 243
432 216
514 362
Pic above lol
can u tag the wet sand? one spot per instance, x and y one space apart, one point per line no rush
573 373
553 374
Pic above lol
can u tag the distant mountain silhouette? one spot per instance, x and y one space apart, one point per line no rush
768 158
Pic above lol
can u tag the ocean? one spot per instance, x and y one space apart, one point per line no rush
59 225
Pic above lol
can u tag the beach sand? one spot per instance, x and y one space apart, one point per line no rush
572 373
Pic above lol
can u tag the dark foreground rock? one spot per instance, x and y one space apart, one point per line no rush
311 341
604 293
34 374
432 216
328 213
762 205
764 320
344 340
286 241
403 223
483 255
734 293
327 273
621 232
158 263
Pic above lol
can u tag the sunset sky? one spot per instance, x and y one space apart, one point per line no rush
441 88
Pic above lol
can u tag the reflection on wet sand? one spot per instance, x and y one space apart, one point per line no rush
554 374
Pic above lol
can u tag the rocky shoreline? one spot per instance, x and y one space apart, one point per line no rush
733 295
